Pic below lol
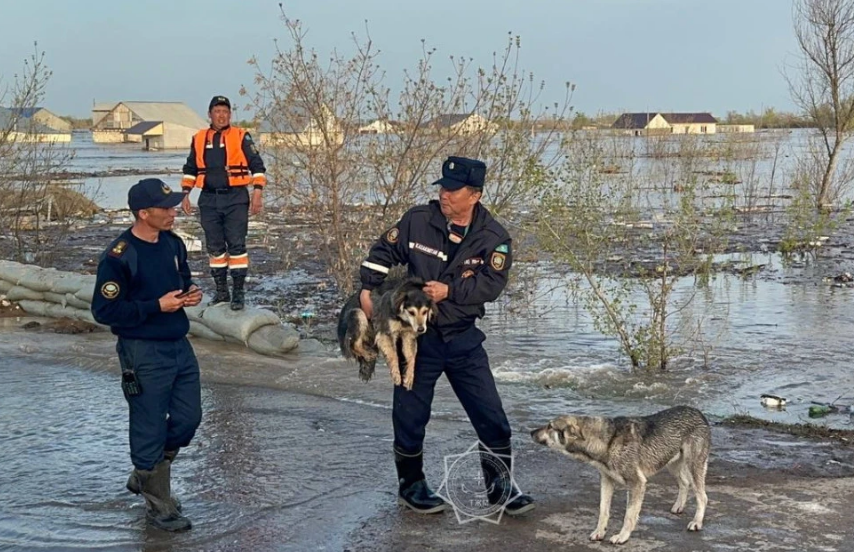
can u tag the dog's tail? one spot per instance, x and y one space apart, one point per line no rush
358 342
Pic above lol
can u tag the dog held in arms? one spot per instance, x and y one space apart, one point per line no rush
628 451
401 313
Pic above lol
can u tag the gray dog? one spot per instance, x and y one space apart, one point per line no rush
628 451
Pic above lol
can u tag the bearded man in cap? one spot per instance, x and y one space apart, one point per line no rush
463 255
224 162
142 287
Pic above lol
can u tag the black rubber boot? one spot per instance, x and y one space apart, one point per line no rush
156 490
413 491
238 278
220 276
133 481
499 483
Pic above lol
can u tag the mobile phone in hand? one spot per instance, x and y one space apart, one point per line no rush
182 295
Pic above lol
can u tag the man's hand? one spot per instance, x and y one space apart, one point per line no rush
366 303
170 302
256 203
185 205
193 297
437 291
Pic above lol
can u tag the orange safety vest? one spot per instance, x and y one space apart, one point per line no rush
236 164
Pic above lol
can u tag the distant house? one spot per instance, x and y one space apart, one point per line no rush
155 125
44 117
736 129
639 124
461 123
380 126
297 128
100 110
28 129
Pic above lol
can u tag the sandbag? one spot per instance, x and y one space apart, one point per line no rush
274 340
239 325
12 271
55 298
72 300
86 293
5 286
72 283
195 314
38 278
35 308
200 330
20 293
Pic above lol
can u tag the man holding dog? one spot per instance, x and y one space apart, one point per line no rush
463 255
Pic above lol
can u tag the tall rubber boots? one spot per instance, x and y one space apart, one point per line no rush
413 491
220 276
497 476
238 279
156 489
133 484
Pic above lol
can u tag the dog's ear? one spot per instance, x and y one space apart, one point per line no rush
397 301
434 311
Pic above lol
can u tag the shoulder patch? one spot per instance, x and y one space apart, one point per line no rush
110 290
392 235
118 249
497 260
503 248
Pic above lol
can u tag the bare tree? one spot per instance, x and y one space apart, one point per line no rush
35 207
824 89
352 180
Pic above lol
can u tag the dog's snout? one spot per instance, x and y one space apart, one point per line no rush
421 329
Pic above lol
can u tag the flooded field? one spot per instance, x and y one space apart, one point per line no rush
288 451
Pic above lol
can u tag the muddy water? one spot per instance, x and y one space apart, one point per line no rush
300 450
296 455
263 462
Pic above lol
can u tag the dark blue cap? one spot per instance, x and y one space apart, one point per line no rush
152 192
219 100
458 172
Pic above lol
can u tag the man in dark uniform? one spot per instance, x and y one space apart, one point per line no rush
464 255
142 287
223 162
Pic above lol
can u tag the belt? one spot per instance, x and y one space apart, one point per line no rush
218 190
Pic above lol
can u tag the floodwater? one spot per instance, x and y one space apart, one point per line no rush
299 455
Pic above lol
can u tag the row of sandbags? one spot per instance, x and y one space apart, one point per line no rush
57 294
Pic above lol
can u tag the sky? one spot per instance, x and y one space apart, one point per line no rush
622 55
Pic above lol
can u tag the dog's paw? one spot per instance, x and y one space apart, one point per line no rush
677 509
695 525
597 535
620 538
395 379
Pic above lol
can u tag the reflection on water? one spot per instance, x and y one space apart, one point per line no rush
264 463
311 449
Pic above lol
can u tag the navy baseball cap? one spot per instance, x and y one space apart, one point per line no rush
152 192
219 100
458 172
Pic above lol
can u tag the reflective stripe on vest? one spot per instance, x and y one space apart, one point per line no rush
236 164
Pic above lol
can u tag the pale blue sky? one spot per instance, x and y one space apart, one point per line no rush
632 55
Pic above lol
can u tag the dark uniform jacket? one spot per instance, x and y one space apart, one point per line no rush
132 277
475 275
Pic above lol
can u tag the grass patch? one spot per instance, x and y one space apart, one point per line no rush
845 436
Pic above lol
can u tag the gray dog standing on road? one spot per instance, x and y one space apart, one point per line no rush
628 451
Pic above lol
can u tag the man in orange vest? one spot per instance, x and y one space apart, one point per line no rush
223 162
